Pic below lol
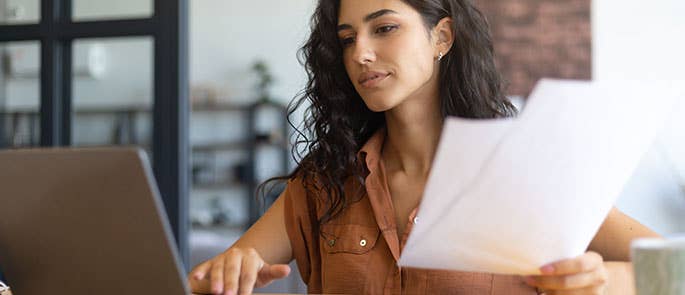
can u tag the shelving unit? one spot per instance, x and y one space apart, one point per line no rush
244 175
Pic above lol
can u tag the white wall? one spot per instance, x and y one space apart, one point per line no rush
227 37
635 39
638 39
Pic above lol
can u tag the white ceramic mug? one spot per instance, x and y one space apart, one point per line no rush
659 266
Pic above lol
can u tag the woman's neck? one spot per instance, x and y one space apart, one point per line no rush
413 133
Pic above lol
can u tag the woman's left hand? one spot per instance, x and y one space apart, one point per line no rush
583 275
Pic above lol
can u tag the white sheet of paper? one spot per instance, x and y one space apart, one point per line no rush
508 196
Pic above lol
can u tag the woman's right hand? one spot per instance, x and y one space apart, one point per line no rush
235 271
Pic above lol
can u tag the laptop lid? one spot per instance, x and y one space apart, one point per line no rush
84 221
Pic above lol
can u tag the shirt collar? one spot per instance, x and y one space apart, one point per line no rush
370 153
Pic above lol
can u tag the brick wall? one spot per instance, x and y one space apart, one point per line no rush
540 38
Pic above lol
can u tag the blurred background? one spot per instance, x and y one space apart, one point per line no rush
241 70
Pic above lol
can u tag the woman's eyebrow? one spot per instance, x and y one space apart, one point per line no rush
369 17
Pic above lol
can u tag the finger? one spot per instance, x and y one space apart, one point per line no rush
569 282
268 273
248 272
216 275
200 271
279 271
200 286
584 263
232 273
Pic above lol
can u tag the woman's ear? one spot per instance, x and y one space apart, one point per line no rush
443 35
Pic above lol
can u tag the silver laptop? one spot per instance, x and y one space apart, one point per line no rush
84 221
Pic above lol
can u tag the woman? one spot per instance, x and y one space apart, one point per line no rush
383 74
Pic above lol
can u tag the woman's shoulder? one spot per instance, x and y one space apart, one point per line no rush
299 185
299 195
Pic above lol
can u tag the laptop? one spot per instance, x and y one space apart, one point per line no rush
85 221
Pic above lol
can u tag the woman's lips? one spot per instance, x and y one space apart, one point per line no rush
372 79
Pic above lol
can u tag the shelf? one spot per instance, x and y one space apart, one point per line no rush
143 108
219 186
228 146
251 141
222 107
209 147
114 110
221 228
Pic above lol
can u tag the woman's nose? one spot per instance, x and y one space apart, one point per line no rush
363 51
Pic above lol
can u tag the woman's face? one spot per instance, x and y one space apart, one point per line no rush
388 53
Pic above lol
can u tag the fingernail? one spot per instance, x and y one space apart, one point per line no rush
547 269
230 292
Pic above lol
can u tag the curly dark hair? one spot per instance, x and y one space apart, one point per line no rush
337 121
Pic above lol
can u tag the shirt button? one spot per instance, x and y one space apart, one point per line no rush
331 243
416 220
362 243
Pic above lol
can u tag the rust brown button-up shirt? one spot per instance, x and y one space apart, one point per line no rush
357 251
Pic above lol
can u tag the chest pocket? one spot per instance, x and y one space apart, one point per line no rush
346 251
348 238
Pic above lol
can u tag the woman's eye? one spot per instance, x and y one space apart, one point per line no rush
386 29
346 41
